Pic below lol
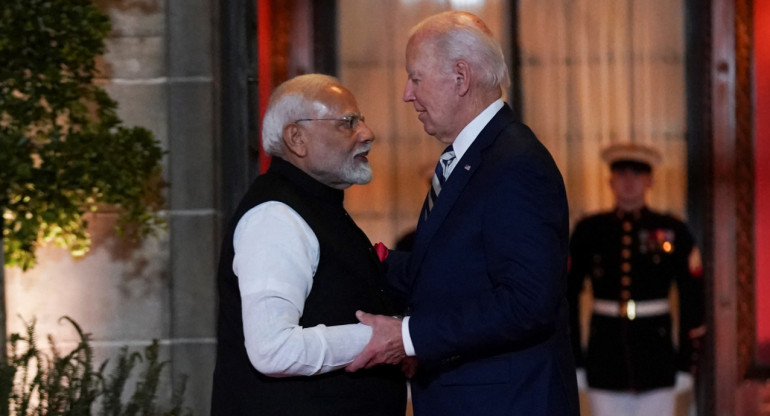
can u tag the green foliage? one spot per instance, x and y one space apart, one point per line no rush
35 383
63 150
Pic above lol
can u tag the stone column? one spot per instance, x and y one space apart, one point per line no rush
193 215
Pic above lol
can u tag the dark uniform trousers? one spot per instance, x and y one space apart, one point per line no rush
632 259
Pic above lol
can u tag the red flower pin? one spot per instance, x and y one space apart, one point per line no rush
381 250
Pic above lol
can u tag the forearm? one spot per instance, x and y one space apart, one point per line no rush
485 324
277 346
511 291
275 276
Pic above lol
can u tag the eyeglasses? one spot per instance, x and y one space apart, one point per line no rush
351 120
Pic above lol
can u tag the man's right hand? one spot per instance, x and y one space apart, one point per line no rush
384 347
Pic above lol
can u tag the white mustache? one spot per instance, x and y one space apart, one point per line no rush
366 149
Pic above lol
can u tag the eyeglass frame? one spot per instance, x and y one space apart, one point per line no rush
352 120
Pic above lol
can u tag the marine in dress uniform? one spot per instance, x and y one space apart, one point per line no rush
632 256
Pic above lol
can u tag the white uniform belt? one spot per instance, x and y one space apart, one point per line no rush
631 309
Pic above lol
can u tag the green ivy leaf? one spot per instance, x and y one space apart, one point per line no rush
63 149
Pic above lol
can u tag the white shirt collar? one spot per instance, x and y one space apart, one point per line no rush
469 133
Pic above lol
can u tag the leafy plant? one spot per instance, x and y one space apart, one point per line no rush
36 383
63 150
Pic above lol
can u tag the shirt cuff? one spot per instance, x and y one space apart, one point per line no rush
407 339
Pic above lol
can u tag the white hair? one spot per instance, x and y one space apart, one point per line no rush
291 101
459 35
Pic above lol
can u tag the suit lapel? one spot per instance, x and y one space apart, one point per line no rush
454 186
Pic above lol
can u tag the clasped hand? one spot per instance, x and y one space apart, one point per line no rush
385 346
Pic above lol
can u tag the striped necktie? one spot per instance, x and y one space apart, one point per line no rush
439 177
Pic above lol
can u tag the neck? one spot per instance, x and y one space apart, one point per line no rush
482 100
469 111
630 206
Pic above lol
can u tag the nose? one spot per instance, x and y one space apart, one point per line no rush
365 134
408 95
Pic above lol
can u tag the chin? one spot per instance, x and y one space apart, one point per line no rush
365 178
361 175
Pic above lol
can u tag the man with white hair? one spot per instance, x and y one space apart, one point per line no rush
485 281
295 267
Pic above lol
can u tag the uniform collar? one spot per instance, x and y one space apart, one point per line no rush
631 215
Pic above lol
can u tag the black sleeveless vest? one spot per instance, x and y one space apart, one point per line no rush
348 278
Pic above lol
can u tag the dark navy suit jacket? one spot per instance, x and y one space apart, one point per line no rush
485 284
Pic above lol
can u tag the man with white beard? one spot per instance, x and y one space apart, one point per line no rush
295 268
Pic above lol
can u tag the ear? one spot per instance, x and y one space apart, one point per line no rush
295 139
462 74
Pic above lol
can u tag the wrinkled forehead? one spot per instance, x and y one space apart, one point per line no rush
421 41
423 54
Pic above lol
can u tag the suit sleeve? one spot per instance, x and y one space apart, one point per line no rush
524 240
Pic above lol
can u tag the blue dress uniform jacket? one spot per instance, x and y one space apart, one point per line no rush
486 284
632 259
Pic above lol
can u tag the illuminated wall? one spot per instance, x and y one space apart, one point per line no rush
160 67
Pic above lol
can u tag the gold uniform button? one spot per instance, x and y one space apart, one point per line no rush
625 281
626 267
627 226
626 240
625 253
667 246
625 295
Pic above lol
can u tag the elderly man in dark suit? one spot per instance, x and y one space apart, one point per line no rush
487 318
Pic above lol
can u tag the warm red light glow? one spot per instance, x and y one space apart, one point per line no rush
264 71
762 166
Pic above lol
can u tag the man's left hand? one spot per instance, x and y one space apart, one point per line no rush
384 347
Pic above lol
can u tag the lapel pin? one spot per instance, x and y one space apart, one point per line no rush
467 167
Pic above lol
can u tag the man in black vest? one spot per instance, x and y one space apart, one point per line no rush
295 267
632 255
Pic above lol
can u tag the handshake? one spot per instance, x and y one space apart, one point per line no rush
386 345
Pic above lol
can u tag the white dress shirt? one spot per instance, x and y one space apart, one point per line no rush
276 257
460 145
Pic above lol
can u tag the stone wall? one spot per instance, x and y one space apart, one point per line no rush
160 67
